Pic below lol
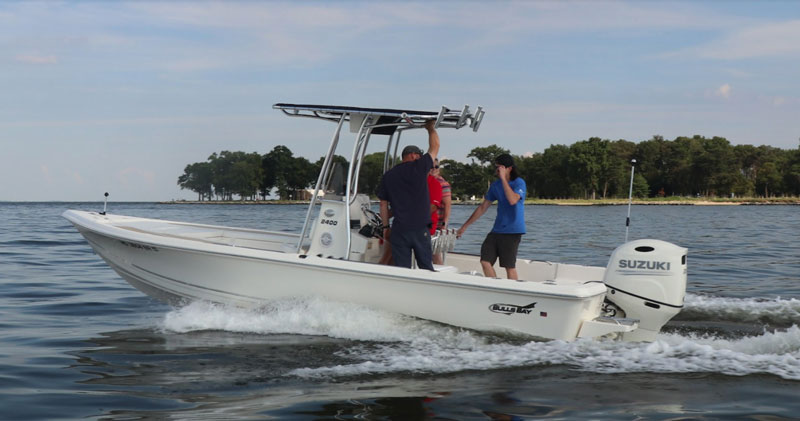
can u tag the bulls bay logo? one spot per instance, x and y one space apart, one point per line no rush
509 309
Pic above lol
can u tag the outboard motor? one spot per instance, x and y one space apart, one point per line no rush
647 280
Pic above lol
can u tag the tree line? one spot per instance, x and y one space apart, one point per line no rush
588 169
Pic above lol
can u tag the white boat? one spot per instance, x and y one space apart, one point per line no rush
335 256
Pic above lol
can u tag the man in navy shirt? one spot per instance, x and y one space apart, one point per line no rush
503 241
405 188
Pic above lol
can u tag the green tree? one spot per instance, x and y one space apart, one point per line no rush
792 172
465 180
589 164
527 168
651 156
617 176
301 174
245 174
588 168
721 166
277 166
221 165
198 177
747 157
551 179
640 186
769 179
486 155
681 179
371 172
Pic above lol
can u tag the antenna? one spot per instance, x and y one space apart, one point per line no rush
105 202
630 196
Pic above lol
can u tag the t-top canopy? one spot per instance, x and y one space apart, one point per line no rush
444 118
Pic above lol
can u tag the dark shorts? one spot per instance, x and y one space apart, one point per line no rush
503 246
403 242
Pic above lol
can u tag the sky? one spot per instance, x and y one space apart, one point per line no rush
120 96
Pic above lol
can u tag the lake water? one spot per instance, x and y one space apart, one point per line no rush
76 341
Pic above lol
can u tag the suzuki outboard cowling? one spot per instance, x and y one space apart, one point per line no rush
647 280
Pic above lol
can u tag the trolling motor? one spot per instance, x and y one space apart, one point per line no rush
105 203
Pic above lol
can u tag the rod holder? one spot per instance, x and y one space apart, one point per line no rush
463 117
477 118
440 118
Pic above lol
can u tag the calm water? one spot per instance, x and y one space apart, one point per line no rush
77 342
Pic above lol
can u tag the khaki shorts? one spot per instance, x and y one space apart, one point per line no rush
503 246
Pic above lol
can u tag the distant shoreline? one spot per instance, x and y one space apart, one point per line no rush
746 201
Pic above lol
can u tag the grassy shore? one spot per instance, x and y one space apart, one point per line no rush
698 201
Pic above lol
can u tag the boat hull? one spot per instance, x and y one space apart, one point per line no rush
176 269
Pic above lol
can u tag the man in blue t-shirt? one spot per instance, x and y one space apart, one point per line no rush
503 241
405 188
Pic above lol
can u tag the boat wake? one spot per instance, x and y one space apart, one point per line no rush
390 343
306 316
775 312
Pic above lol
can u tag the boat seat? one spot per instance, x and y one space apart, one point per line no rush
445 268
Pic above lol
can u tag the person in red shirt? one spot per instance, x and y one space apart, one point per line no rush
444 209
435 194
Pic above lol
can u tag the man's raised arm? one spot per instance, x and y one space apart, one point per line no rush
433 139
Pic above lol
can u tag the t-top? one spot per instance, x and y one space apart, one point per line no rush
510 219
405 187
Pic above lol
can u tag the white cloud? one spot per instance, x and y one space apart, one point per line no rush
780 101
724 91
776 39
280 33
271 33
36 59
